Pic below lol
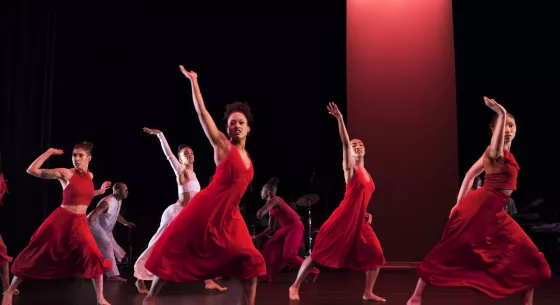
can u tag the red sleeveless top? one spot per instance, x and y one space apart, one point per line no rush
505 178
79 191
285 214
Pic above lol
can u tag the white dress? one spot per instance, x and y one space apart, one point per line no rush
192 187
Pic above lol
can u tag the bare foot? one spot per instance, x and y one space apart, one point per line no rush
414 301
7 298
149 300
102 301
372 297
211 285
294 293
116 279
141 287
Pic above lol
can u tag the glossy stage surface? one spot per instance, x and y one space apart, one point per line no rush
333 287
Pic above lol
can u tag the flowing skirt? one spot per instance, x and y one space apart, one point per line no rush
140 271
484 248
62 247
337 247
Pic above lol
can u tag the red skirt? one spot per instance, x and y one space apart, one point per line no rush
337 247
62 247
484 248
199 245
282 250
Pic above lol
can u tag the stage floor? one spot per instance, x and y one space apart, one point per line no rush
332 288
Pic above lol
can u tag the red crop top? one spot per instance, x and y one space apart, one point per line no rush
505 178
79 191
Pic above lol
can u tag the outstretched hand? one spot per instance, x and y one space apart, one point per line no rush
369 218
151 131
260 214
188 74
105 186
55 151
333 110
492 104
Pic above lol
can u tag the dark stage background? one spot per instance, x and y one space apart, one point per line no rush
72 72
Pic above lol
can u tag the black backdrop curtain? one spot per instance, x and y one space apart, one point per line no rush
27 59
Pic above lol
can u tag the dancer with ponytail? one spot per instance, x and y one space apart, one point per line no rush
482 247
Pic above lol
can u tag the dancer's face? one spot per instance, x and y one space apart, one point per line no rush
80 159
358 148
122 191
237 126
265 192
186 156
510 129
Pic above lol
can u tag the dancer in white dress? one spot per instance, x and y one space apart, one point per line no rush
188 186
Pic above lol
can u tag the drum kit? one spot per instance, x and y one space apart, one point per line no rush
307 201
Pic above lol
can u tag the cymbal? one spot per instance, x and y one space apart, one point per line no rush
306 200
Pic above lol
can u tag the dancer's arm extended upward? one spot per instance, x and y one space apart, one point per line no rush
218 140
347 161
175 164
497 143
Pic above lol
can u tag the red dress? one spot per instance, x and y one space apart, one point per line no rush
282 249
346 240
63 246
209 237
483 247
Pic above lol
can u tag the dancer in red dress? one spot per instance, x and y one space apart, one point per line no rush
209 237
282 249
346 239
482 246
63 246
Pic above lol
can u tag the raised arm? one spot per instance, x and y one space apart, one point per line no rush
175 164
474 171
57 173
497 142
347 160
100 208
214 135
270 204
